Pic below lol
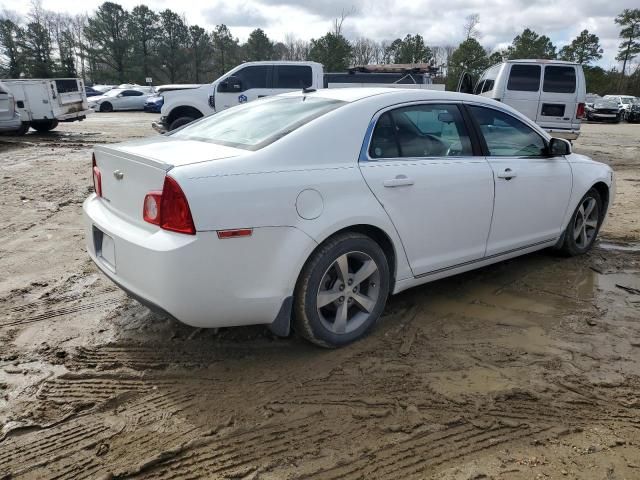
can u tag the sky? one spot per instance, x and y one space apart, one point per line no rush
439 22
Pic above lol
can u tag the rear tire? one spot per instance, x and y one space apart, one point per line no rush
43 126
24 128
341 291
180 122
106 107
584 225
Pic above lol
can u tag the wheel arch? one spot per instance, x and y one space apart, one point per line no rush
603 189
377 234
183 111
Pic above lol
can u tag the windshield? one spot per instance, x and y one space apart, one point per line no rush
626 101
259 123
606 103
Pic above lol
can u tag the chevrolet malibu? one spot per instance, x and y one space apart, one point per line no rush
308 209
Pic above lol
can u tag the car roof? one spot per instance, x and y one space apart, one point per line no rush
541 61
392 94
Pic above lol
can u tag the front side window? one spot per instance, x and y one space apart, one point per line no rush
420 131
559 79
506 136
524 78
253 77
293 76
257 124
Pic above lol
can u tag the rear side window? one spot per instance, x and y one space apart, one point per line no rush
253 77
524 78
293 76
559 79
131 93
420 131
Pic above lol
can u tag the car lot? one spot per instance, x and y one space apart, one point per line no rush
526 369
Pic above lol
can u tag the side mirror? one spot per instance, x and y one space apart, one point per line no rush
120 95
559 147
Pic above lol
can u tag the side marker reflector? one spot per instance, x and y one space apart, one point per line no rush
240 232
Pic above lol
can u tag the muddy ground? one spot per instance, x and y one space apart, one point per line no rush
526 369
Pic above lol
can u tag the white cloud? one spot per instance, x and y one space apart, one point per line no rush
440 23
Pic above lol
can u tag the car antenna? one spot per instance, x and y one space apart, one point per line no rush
308 89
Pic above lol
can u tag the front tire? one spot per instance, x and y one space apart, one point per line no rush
106 107
584 225
179 122
342 290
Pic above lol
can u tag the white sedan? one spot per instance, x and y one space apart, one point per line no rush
121 99
308 209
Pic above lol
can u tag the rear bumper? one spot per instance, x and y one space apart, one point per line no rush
199 279
74 116
11 124
566 133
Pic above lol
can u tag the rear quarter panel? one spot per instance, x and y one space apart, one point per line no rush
261 189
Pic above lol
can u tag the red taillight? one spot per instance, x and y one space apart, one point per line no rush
97 176
169 209
580 111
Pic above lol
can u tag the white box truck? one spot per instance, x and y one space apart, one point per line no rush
43 103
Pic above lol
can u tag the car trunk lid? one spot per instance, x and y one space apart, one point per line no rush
131 170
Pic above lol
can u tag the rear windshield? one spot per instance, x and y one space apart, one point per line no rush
257 124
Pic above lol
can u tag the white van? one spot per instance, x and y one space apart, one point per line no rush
9 117
43 103
552 93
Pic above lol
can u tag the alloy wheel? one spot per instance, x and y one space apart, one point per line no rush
585 225
348 292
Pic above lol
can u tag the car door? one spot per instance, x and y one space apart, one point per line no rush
132 100
6 104
532 189
421 166
523 89
558 105
245 85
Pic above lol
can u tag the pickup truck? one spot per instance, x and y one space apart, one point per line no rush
252 80
42 103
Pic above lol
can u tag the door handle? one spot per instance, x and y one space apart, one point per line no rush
507 174
399 181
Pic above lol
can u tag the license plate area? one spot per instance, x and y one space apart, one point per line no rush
105 248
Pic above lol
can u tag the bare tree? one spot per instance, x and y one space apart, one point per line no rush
337 23
295 48
363 51
470 28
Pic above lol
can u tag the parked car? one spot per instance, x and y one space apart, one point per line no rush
605 109
267 213
122 99
103 88
91 92
633 114
43 103
552 93
9 117
624 101
154 104
590 99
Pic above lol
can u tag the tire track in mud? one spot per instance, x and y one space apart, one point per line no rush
412 456
243 451
55 307
142 424
142 357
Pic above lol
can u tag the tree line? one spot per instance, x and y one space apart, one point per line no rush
115 45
